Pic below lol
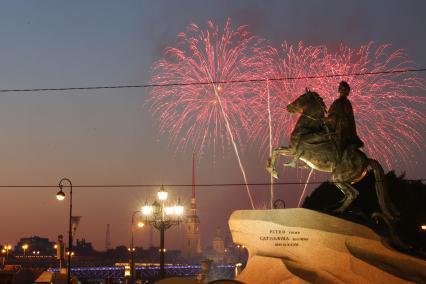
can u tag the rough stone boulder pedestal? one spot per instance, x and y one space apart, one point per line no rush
303 246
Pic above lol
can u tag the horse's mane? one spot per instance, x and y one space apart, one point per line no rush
318 99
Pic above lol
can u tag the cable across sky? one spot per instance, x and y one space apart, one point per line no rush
212 82
178 185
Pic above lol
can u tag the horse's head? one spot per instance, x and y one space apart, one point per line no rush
310 103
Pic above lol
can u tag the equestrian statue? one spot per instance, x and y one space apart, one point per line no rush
331 144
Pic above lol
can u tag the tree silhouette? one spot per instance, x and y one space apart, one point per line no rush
409 196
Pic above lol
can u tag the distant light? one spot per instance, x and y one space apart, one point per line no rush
60 195
162 194
179 210
146 210
25 246
55 246
169 210
423 227
127 272
141 224
219 88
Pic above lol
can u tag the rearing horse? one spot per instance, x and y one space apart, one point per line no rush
311 142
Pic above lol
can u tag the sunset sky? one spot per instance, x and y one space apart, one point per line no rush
103 137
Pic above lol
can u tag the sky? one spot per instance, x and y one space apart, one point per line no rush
101 137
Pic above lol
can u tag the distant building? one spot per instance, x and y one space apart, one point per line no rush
218 252
191 248
83 248
218 242
35 246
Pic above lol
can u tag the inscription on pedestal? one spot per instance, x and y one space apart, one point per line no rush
284 238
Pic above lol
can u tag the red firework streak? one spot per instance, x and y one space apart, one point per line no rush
387 109
208 114
192 113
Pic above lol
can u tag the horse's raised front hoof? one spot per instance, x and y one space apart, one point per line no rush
271 169
273 172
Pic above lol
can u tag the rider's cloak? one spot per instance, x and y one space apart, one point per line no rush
341 122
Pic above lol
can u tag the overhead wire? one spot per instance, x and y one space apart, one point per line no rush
184 184
213 82
197 83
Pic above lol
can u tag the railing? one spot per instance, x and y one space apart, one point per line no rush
148 272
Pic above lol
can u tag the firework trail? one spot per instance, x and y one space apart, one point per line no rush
272 196
304 188
201 116
387 116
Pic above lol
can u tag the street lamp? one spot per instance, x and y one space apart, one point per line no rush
6 250
240 248
162 217
61 196
132 248
24 248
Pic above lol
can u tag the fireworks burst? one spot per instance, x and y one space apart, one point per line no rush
208 114
387 116
204 117
195 115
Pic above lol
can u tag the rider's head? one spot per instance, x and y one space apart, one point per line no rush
344 88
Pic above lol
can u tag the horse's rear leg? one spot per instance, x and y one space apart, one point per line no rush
386 205
350 195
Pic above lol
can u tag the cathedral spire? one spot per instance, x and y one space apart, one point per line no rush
193 204
192 241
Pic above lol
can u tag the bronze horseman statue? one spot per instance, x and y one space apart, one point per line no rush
331 144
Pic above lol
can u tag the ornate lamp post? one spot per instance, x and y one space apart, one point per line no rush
61 196
132 248
240 247
162 217
7 248
24 248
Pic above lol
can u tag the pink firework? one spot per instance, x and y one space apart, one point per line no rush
194 114
387 106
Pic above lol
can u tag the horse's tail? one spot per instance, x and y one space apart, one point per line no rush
385 202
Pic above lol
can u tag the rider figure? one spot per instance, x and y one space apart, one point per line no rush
341 122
